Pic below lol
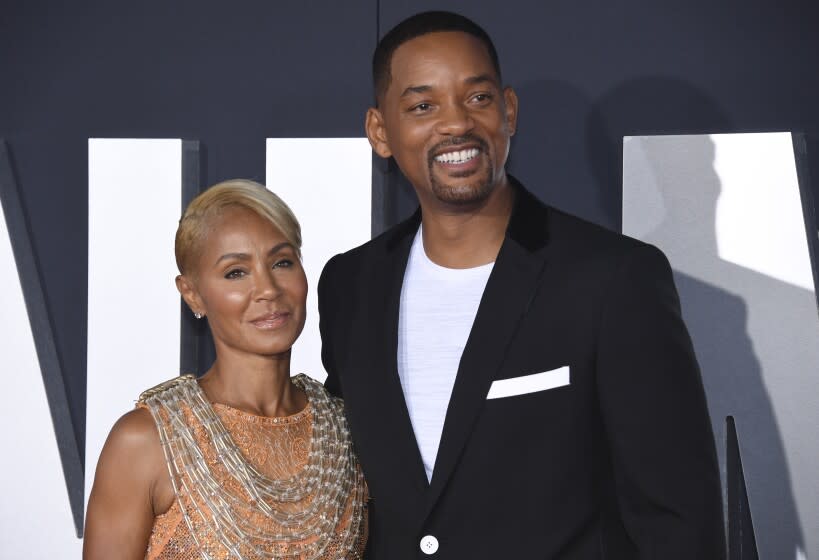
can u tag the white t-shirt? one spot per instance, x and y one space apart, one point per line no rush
438 307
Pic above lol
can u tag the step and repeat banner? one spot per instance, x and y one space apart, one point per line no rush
726 209
115 114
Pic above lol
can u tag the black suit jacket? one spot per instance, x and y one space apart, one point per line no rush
620 463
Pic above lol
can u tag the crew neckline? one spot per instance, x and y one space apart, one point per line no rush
421 252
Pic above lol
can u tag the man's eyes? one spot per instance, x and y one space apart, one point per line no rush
421 108
482 98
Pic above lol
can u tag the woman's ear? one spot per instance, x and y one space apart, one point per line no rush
187 289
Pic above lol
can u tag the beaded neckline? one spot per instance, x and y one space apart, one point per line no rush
255 517
268 420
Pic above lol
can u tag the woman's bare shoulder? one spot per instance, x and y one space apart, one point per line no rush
134 433
132 453
121 506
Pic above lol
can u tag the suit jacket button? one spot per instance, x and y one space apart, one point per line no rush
429 545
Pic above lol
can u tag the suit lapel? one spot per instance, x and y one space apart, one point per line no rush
509 290
385 385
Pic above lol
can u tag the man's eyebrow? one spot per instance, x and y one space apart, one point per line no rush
472 80
480 79
415 89
245 257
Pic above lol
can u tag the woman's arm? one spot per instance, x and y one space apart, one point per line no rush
130 482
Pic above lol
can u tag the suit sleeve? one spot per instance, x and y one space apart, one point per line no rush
327 306
655 415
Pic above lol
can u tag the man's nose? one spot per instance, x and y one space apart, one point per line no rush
455 120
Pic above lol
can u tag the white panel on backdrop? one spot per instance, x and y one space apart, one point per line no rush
34 497
759 209
726 210
134 199
327 183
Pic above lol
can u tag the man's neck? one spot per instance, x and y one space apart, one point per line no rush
466 237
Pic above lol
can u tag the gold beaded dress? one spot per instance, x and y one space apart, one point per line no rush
254 487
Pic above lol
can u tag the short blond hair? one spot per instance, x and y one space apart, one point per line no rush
212 203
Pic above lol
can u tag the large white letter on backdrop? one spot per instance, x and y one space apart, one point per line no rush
35 516
327 182
134 199
726 210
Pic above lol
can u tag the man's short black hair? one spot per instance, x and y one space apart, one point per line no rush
416 26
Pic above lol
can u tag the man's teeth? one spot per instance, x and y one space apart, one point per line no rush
457 157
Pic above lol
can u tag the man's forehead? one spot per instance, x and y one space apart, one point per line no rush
425 52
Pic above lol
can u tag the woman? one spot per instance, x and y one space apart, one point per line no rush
245 462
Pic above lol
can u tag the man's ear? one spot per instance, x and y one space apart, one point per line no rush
187 290
376 132
510 100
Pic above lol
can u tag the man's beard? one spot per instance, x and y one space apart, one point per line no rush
474 189
464 193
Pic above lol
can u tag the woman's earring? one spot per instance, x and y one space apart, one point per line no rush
197 315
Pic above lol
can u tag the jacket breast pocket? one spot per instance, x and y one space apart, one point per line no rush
527 384
528 415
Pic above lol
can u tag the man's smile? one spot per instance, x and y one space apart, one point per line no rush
457 156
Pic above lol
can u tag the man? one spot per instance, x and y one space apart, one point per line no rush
519 383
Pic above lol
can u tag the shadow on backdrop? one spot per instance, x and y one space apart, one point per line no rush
747 331
639 107
748 328
549 152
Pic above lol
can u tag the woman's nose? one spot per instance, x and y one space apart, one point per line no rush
266 285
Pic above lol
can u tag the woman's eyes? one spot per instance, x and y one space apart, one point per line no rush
237 273
284 263
234 274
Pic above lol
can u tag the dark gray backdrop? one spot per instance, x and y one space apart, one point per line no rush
587 73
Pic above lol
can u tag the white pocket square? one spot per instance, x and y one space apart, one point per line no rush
529 383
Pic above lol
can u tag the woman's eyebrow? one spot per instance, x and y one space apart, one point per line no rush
245 256
232 256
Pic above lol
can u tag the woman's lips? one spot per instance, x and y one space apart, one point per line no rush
270 321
